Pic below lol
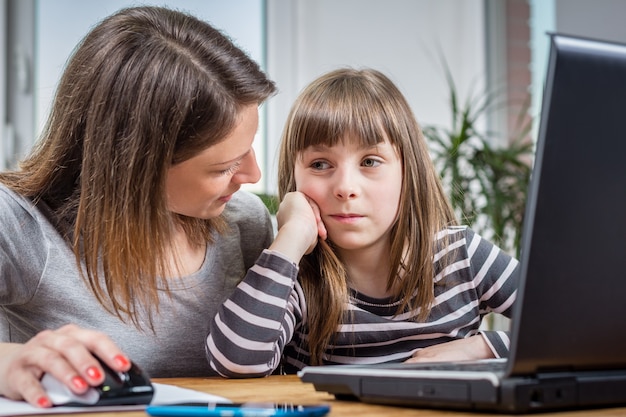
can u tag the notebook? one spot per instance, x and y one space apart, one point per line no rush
568 343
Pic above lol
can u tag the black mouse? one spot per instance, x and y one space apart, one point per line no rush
132 387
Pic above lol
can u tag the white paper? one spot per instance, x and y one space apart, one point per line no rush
163 394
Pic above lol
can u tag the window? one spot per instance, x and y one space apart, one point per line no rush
50 29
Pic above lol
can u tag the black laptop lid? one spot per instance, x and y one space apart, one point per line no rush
573 257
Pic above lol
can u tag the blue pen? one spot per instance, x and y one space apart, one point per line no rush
237 410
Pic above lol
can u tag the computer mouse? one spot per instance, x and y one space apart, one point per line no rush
119 388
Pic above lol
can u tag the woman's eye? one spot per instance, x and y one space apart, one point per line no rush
370 163
231 170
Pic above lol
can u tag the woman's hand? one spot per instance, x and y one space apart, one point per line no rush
65 353
299 225
470 348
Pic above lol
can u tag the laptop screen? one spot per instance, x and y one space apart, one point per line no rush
573 260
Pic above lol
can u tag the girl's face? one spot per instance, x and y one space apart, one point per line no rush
356 188
202 185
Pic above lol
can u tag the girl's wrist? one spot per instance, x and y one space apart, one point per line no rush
290 242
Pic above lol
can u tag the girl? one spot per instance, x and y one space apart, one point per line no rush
124 228
392 277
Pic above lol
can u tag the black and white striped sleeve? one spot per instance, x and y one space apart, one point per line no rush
494 274
496 279
249 332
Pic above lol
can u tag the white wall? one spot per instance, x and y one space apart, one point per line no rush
61 24
305 38
600 19
402 38
308 37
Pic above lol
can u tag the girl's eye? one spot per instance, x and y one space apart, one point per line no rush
231 170
370 163
319 165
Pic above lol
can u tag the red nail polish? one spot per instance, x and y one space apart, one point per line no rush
44 402
121 361
79 383
94 373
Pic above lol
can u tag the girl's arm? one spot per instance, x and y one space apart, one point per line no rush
469 348
496 277
253 325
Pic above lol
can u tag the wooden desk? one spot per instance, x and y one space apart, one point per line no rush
289 389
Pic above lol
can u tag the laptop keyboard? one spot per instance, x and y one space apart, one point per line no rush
491 365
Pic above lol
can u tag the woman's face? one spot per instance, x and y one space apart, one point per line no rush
202 185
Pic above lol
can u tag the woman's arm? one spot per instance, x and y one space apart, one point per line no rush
66 353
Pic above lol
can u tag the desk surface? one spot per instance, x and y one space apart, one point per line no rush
290 389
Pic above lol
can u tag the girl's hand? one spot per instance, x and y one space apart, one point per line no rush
65 353
470 348
299 225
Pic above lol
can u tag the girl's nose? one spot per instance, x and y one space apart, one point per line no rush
249 171
346 187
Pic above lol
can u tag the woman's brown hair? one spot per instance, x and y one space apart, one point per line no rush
365 104
147 88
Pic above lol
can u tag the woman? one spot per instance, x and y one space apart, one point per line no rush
124 230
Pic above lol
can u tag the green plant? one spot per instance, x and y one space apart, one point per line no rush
486 183
271 202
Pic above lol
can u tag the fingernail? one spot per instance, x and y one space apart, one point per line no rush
79 383
121 361
44 402
94 373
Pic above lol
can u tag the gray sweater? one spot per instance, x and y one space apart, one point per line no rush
40 287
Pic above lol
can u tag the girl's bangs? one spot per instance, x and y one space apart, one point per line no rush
330 120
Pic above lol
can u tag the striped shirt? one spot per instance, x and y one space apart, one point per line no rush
263 325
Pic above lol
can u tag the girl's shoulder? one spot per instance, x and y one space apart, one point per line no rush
452 234
460 240
466 242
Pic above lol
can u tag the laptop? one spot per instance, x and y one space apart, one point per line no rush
568 338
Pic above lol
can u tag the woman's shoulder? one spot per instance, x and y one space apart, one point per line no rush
23 226
250 225
15 206
247 211
245 203
20 214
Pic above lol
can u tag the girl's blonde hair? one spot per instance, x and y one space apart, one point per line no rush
147 88
366 104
